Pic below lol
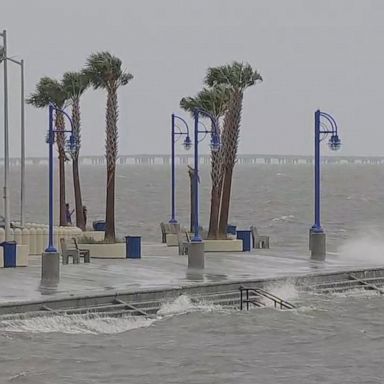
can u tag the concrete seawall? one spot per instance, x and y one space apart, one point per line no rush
51 304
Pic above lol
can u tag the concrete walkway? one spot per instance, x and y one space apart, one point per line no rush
162 267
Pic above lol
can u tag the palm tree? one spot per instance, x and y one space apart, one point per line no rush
237 77
51 91
75 84
104 71
215 101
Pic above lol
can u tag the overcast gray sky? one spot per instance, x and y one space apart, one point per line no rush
325 54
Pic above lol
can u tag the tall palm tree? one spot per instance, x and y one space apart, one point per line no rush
51 91
104 71
237 77
75 84
215 101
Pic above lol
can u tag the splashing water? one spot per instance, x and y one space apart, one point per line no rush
366 249
75 324
286 291
93 324
184 304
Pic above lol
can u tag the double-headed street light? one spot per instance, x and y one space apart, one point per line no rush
196 250
325 125
175 135
50 263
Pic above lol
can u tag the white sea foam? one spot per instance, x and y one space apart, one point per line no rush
75 324
285 218
184 304
96 324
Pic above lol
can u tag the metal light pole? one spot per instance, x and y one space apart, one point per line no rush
196 250
187 145
317 239
6 136
22 139
50 262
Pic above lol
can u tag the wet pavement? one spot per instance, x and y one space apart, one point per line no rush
162 267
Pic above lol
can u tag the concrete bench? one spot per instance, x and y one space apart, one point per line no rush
73 250
259 241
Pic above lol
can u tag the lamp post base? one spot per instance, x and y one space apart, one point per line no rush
196 255
317 245
50 270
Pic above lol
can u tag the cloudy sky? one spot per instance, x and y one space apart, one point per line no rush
325 54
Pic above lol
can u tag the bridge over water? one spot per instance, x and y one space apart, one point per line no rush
183 159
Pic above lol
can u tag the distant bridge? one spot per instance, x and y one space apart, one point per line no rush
184 159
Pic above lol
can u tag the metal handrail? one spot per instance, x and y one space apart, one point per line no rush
261 292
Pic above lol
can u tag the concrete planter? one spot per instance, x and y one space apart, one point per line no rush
22 252
223 245
95 235
106 251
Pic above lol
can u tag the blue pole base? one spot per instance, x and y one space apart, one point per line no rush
196 239
172 221
51 249
316 229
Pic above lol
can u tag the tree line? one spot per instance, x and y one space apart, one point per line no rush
222 96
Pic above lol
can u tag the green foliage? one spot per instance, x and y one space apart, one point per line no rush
236 76
214 100
74 84
104 71
91 240
48 91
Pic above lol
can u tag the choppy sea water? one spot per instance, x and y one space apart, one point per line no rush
329 339
278 200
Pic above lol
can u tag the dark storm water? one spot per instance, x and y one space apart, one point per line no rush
335 339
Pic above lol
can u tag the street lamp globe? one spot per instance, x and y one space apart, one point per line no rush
215 143
187 143
334 142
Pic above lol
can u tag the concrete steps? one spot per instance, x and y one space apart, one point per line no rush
345 285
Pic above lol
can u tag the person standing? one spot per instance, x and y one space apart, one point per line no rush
85 216
68 214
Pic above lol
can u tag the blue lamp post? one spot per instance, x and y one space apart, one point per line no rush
50 258
325 125
175 135
215 146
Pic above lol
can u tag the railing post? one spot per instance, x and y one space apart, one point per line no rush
241 298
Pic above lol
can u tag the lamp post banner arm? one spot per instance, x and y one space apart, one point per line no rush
182 120
331 120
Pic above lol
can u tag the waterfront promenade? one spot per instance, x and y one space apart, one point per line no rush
161 268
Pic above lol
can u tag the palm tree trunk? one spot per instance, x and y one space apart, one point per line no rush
77 190
213 231
110 211
60 141
230 140
80 222
217 182
111 155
